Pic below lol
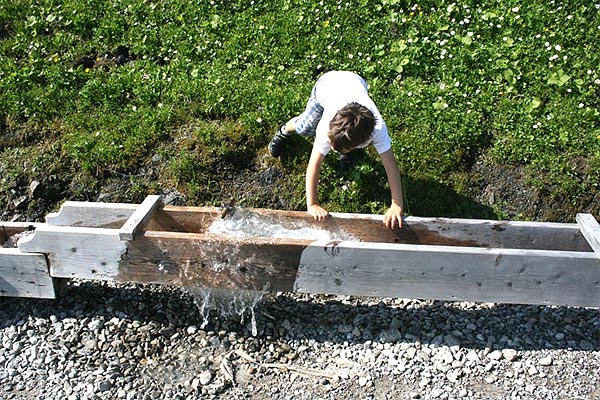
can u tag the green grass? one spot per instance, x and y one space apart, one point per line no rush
519 83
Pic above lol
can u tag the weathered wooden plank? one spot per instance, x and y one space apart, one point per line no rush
590 230
24 275
197 260
351 268
77 252
140 217
416 230
91 214
451 273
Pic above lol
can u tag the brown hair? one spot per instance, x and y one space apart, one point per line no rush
350 127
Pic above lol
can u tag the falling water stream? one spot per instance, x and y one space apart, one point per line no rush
244 223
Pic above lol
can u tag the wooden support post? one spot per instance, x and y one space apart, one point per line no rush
140 217
590 229
22 274
25 275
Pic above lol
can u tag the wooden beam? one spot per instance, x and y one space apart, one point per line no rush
350 268
416 230
74 252
432 258
91 214
140 217
451 273
590 229
24 275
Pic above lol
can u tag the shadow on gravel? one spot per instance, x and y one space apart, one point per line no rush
323 318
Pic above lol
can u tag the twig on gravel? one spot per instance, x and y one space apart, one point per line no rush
310 372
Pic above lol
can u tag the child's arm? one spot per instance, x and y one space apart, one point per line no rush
312 179
393 216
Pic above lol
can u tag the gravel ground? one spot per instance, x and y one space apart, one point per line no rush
109 341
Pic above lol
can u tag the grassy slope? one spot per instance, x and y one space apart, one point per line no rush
104 86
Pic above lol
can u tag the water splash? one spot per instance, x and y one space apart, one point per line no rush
243 224
227 303
246 224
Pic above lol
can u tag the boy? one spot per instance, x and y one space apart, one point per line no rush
341 116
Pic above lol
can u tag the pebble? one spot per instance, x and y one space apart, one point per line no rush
546 361
98 341
495 355
205 378
509 355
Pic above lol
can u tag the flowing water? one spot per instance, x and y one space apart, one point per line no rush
227 303
243 224
246 224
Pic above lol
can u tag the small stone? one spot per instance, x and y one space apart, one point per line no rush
191 330
495 355
362 381
445 356
453 375
532 370
585 345
473 356
546 361
19 202
410 353
104 386
451 340
509 355
33 188
205 378
390 335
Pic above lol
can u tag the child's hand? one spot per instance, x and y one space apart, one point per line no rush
318 212
393 216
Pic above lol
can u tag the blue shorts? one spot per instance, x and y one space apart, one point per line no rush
306 123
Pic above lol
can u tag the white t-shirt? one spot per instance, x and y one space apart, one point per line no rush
333 91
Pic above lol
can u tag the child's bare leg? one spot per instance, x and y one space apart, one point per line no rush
290 126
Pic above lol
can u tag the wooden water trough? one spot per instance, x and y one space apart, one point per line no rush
352 254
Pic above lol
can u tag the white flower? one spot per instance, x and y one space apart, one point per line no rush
557 47
515 9
581 105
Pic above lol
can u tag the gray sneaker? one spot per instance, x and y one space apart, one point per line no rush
277 144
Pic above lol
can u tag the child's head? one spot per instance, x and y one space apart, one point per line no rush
350 127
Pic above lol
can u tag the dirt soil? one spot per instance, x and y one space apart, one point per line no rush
266 183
